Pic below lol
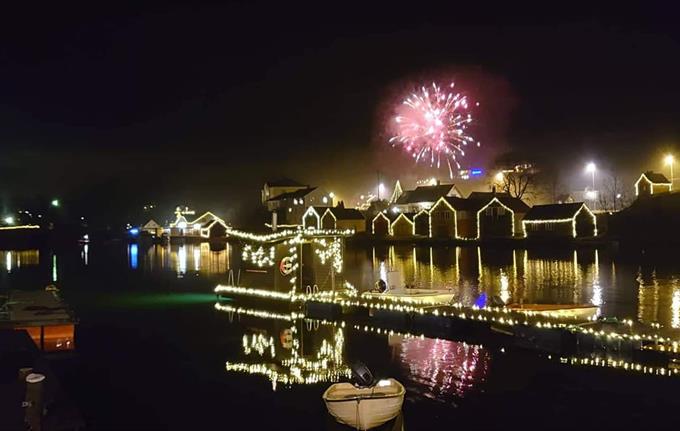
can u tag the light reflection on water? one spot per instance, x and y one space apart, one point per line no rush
302 351
643 286
440 369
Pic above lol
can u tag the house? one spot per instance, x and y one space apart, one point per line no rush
343 218
208 225
381 224
290 206
496 215
311 219
278 187
481 215
421 223
424 197
572 220
651 183
402 225
442 217
152 228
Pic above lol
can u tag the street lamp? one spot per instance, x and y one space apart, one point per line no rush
381 189
591 168
499 176
669 160
55 202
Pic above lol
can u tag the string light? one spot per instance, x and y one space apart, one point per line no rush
258 257
26 226
668 185
571 220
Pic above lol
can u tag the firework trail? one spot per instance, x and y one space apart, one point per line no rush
431 124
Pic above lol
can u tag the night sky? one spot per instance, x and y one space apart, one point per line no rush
109 108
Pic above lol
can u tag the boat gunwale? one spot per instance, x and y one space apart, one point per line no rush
400 393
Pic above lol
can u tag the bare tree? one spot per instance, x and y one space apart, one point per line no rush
614 195
518 184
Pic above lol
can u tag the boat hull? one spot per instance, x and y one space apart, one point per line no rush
430 296
364 408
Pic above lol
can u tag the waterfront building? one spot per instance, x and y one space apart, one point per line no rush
290 207
421 224
480 216
496 215
311 219
442 217
278 187
343 218
380 224
424 197
651 183
574 220
152 228
402 226
207 226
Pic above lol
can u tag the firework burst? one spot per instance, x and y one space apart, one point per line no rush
431 125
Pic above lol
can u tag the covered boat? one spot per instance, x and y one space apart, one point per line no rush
364 408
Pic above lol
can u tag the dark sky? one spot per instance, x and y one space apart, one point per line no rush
111 107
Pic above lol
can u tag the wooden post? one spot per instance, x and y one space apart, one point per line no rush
34 401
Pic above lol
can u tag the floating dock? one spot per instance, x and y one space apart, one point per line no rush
552 331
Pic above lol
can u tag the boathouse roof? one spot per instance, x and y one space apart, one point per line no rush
346 213
424 194
655 177
553 211
297 194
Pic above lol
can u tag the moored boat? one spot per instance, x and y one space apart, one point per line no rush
365 407
413 295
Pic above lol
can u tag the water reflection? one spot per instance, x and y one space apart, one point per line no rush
187 258
514 276
288 349
440 369
18 258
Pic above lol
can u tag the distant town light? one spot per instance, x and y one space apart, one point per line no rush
591 195
9 220
324 199
55 202
395 210
331 195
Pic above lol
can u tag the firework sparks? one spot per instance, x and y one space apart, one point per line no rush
431 124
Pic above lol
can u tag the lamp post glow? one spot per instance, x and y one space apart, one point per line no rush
669 160
55 202
381 189
591 168
499 176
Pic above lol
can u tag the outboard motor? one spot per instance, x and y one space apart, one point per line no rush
362 376
381 286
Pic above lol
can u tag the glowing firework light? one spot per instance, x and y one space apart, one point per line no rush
431 125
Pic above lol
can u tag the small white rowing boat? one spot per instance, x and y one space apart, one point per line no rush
365 408
418 296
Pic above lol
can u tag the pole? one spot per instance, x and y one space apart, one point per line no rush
595 200
672 179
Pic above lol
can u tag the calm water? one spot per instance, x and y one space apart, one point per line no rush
153 352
